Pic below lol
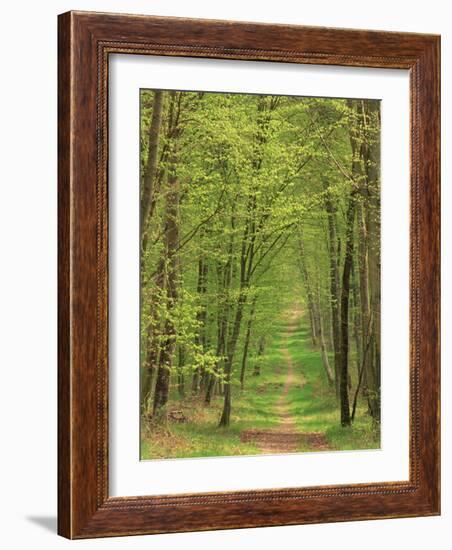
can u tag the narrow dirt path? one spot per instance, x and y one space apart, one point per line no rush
285 437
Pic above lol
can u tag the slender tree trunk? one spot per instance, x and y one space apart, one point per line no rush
356 320
248 249
148 191
356 142
171 240
313 314
221 344
260 353
146 380
246 263
372 164
147 196
245 268
334 287
247 343
201 315
344 397
224 279
226 414
161 393
150 366
180 371
363 268
323 350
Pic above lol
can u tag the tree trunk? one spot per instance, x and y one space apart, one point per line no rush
372 164
200 339
180 372
221 344
226 414
313 314
147 196
344 397
260 352
356 144
150 366
356 320
363 268
148 191
252 228
171 240
224 280
247 343
334 287
323 350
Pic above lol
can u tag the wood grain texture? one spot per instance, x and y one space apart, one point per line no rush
64 295
85 42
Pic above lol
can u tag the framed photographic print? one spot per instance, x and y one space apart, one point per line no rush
248 275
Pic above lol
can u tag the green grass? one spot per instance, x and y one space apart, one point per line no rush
252 407
312 403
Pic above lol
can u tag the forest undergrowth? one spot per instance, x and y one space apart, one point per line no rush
192 428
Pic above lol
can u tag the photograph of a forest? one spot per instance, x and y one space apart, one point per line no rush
259 274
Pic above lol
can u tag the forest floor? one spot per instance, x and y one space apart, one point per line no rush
288 408
286 436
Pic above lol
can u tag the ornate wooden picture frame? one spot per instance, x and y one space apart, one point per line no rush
86 41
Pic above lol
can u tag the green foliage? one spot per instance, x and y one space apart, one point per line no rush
252 176
255 407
